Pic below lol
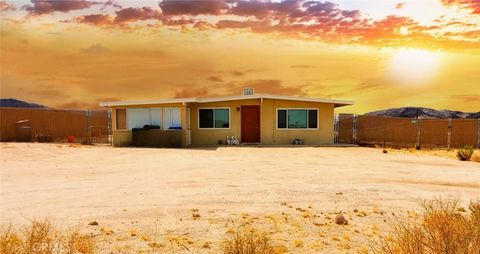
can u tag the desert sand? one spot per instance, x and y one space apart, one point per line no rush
186 200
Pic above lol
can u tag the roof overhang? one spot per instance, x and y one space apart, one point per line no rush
337 103
150 102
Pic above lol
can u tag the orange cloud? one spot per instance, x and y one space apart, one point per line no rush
268 86
400 5
95 19
238 73
250 8
306 20
215 79
96 49
132 14
5 6
193 93
111 3
41 7
122 16
473 5
198 7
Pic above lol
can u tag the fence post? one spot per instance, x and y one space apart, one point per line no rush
89 127
336 122
354 131
449 134
417 143
109 124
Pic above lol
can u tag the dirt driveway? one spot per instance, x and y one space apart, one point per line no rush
294 193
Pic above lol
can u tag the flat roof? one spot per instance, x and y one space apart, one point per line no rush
337 103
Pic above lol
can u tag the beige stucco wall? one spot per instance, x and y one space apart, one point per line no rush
269 135
211 136
324 135
124 137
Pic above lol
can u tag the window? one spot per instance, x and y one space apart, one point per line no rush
205 118
121 116
171 118
221 118
214 118
282 119
164 117
156 116
297 118
312 118
138 117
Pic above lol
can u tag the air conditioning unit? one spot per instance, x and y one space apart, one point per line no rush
248 91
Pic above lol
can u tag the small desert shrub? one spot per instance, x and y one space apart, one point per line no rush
341 220
465 153
41 237
440 228
247 241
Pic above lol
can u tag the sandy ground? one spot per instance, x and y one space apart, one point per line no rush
185 200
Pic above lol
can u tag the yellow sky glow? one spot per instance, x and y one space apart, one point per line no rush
414 57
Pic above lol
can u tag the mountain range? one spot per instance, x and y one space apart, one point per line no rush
411 112
14 103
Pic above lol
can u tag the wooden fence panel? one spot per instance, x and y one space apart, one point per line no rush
370 130
433 133
59 124
77 124
9 118
464 132
388 131
400 132
345 128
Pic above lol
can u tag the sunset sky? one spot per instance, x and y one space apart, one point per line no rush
380 54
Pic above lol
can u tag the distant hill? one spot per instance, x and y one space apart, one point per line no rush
14 103
411 112
474 115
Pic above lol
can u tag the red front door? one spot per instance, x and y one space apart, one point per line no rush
250 124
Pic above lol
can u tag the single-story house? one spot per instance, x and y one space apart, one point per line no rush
252 118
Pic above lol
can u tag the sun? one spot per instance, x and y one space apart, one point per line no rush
414 66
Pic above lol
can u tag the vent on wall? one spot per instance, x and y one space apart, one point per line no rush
247 91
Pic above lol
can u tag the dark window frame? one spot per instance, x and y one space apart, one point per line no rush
307 120
213 118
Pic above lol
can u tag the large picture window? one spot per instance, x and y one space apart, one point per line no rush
297 118
167 118
214 118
